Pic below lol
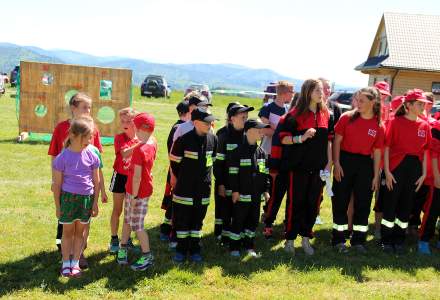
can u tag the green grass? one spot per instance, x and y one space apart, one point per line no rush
29 264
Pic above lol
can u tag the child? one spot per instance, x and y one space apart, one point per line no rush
124 144
228 142
166 227
192 157
249 182
139 189
80 105
359 133
75 177
305 134
405 157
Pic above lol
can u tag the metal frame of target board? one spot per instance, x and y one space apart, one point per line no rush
46 88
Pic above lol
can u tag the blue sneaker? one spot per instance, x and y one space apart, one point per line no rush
114 245
235 253
423 248
179 257
437 245
164 237
143 263
196 257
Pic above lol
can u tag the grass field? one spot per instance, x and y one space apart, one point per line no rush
29 263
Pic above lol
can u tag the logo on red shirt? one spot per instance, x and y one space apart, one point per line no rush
372 132
421 133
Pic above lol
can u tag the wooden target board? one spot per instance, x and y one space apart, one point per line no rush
45 91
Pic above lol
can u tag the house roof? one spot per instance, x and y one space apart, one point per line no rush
413 43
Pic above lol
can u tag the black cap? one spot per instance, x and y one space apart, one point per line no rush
198 100
255 123
238 108
202 115
182 107
230 105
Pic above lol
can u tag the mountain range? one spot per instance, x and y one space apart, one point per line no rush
179 76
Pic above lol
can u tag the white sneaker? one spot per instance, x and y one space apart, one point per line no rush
289 247
252 253
308 249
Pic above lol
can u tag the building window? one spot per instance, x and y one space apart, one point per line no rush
436 88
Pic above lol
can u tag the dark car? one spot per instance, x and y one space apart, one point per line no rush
155 86
342 99
14 76
202 88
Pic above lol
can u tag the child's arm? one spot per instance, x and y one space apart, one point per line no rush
96 183
127 152
104 198
57 181
136 180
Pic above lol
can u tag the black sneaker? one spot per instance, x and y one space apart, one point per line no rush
360 249
143 263
400 249
387 248
341 248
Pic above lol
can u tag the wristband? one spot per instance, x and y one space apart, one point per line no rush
300 139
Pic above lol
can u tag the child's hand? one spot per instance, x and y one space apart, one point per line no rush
104 198
235 197
266 196
95 209
308 134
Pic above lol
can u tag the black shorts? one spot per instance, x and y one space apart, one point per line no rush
117 184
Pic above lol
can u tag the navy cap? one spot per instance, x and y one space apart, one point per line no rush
198 100
255 123
200 114
238 108
182 107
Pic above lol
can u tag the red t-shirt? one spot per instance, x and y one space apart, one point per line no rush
143 155
361 136
60 134
406 137
429 180
121 142
385 114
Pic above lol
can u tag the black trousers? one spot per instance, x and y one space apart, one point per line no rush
279 189
398 202
166 226
303 198
218 223
378 204
245 216
188 222
226 216
420 199
432 212
358 175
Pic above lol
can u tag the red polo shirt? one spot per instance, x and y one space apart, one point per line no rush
406 137
360 136
143 155
60 134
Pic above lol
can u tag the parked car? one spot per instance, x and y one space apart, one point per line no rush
14 76
2 85
5 78
202 88
272 89
155 86
342 99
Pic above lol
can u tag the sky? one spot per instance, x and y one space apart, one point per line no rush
299 39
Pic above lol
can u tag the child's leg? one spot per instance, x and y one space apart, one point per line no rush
126 226
67 241
118 202
78 239
143 240
85 237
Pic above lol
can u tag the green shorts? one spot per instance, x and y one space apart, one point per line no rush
75 207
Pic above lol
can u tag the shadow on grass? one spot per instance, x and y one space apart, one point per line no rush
41 270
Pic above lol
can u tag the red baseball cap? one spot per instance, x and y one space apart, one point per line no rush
397 102
144 121
416 95
383 87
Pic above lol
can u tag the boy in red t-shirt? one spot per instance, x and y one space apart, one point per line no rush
80 105
139 188
124 144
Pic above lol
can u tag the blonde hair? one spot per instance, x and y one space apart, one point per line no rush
429 96
82 126
79 97
283 86
127 112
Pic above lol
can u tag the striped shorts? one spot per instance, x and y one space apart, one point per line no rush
135 212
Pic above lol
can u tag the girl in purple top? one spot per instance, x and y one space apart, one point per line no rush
75 172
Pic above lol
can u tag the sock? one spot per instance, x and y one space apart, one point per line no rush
115 237
66 264
123 246
74 263
146 253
